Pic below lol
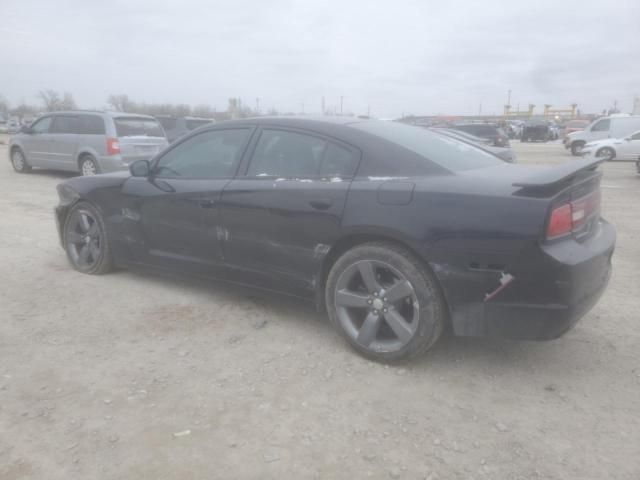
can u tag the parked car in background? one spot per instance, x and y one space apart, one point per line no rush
396 231
574 126
485 130
13 126
504 153
88 142
614 126
627 148
536 130
176 127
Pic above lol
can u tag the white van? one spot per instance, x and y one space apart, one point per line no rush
614 126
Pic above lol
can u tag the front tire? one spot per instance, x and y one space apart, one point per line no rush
85 240
576 148
88 166
385 302
606 152
19 161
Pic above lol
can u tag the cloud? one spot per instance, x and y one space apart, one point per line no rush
396 56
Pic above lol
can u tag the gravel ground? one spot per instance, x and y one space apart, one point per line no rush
131 376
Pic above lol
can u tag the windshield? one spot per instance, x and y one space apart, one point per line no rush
446 152
137 126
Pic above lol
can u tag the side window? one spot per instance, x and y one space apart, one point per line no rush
338 162
601 126
91 125
212 154
42 125
635 136
287 154
64 124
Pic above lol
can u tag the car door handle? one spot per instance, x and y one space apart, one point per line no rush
321 203
206 203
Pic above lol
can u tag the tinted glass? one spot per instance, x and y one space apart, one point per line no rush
337 162
193 124
138 126
447 152
601 126
207 155
167 123
635 136
91 125
287 154
42 126
64 124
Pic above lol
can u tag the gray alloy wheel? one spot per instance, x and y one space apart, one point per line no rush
85 240
384 302
376 305
606 152
19 162
88 166
576 148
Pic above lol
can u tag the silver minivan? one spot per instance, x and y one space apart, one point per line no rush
86 142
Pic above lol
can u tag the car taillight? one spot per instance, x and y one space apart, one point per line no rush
113 147
573 216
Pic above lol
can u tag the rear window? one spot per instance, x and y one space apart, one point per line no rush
168 123
193 124
446 152
137 126
90 125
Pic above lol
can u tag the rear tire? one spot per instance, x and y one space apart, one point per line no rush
19 161
576 148
88 166
85 240
385 302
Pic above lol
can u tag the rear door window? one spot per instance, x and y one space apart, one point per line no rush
137 126
91 125
66 124
168 123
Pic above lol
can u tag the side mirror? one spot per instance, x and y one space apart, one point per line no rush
140 168
26 129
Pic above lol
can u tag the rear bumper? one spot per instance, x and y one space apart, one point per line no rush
577 276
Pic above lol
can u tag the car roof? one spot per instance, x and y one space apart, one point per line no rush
99 112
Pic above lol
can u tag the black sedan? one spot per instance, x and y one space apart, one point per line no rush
397 231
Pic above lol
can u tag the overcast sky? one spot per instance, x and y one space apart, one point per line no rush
421 57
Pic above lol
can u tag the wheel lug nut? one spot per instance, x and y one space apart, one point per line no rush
369 301
375 294
385 299
385 310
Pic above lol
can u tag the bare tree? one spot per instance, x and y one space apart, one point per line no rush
4 105
121 103
50 99
54 102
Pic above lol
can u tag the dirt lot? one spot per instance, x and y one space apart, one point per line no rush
130 376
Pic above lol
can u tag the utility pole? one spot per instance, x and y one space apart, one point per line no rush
341 99
480 109
322 108
368 110
257 105
302 107
509 98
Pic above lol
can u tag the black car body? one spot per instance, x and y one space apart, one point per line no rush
537 131
485 130
488 236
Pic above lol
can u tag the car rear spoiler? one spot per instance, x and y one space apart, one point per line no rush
555 175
